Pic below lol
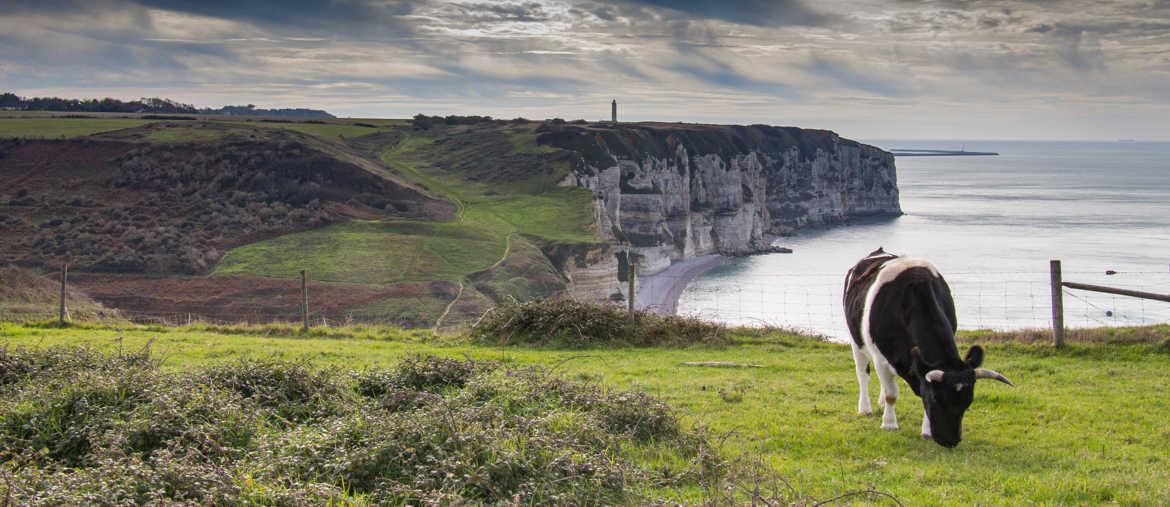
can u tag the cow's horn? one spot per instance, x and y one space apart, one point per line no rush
934 376
992 374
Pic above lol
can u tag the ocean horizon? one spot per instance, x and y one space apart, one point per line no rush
991 224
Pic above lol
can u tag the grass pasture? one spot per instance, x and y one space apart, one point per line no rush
370 252
489 218
1085 425
53 128
328 129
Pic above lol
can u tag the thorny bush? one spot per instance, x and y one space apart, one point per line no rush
563 322
81 428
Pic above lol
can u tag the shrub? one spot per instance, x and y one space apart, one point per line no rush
80 428
568 323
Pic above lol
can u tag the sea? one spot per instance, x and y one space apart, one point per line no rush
991 225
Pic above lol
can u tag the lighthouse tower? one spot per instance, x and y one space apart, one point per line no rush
613 110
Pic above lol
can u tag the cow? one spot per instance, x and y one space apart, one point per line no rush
902 318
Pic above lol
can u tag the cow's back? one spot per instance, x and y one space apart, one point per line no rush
857 283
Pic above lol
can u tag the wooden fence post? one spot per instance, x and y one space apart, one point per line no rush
304 301
64 274
1057 304
633 274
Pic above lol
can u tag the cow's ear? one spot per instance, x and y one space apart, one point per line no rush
974 356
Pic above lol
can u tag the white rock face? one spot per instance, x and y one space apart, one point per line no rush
725 189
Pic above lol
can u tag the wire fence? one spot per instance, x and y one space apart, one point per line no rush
198 314
983 300
809 302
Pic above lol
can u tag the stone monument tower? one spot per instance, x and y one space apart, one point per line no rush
613 110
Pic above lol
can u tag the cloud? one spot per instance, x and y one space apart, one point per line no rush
528 12
846 75
724 76
296 13
740 61
765 13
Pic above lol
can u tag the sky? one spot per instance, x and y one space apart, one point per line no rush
867 69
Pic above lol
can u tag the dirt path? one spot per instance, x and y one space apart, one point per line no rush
438 321
507 250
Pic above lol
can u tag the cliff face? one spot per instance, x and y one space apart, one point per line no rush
674 191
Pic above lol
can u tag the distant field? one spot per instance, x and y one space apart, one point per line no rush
535 206
321 129
370 252
1086 425
187 134
503 183
52 128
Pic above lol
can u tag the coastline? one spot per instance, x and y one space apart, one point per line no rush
659 293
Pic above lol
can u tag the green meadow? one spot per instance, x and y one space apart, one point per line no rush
408 250
1084 425
370 252
53 128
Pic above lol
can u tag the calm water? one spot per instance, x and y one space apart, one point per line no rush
990 224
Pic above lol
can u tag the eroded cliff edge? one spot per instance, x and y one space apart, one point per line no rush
667 192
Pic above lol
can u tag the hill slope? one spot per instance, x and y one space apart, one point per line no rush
423 223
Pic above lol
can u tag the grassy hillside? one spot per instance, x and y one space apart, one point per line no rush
241 198
519 198
53 128
1084 425
370 252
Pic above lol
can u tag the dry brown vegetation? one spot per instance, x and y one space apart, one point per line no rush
1152 335
28 295
167 208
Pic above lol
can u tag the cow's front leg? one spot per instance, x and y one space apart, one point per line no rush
861 362
925 424
889 394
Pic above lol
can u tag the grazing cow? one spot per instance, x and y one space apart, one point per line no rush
901 315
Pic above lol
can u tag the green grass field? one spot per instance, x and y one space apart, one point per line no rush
1085 425
189 134
53 128
321 129
369 252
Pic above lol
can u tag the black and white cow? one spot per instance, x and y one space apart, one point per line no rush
902 318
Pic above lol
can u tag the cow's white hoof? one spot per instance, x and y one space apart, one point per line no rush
888 426
926 436
864 412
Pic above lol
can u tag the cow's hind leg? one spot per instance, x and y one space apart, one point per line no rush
889 393
861 362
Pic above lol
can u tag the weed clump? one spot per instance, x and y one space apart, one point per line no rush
78 427
573 324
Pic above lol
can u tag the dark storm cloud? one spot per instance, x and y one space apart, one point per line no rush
764 13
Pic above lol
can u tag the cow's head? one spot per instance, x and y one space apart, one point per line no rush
947 392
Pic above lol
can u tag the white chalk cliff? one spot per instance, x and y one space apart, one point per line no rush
674 191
